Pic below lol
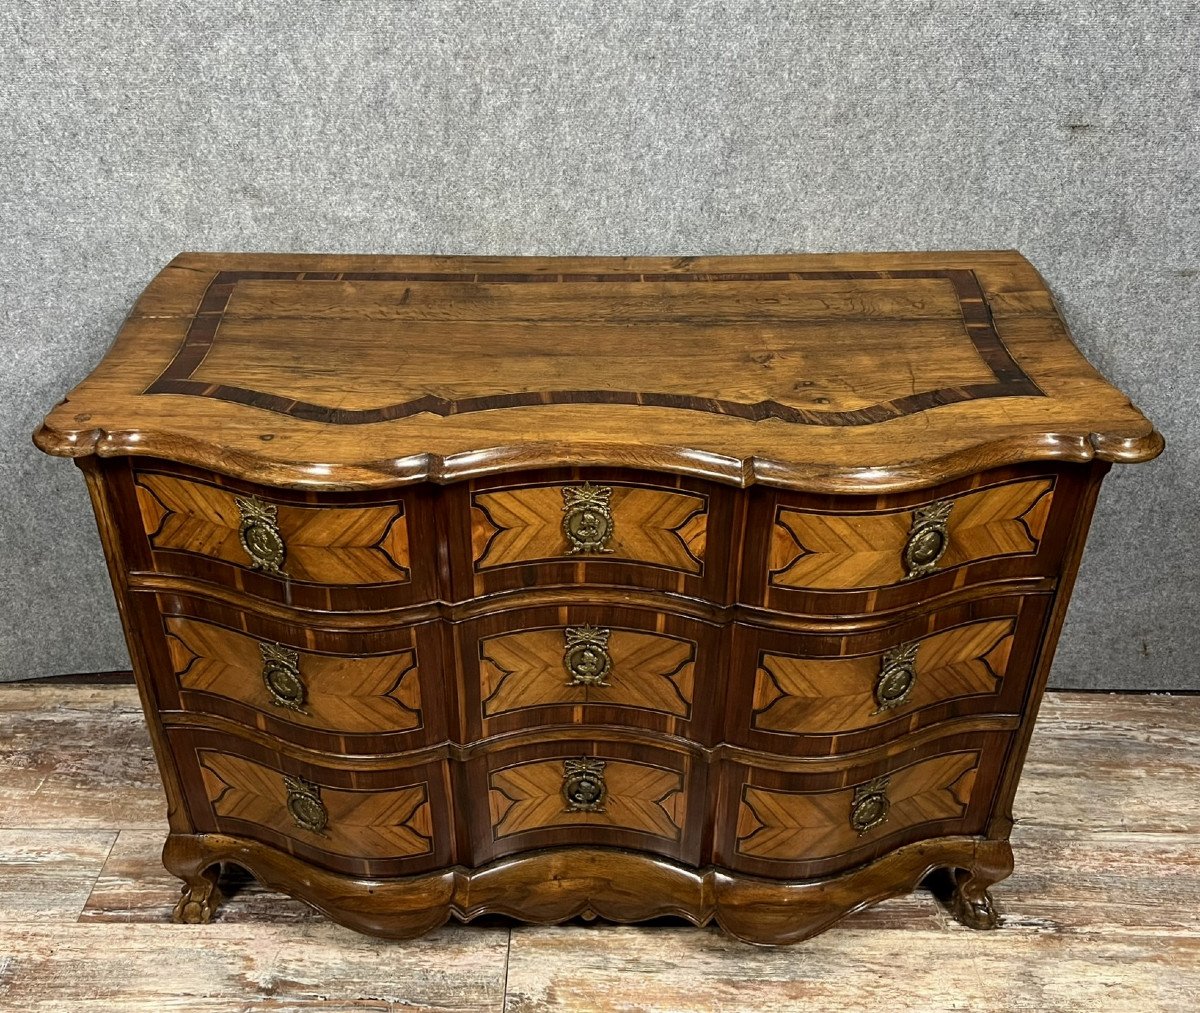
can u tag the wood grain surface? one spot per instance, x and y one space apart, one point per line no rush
831 372
1099 915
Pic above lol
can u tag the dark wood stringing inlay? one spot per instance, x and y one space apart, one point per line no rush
1011 380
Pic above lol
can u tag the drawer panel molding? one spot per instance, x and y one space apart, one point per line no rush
656 527
859 551
800 826
356 824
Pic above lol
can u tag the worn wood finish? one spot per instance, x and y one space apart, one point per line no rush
1109 783
722 588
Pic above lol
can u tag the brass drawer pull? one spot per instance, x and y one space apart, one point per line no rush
305 805
927 539
897 676
259 535
587 517
870 805
281 676
585 655
583 787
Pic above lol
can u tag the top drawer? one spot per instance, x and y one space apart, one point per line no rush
340 552
865 553
597 528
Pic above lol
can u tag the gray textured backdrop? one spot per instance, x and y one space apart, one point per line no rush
129 132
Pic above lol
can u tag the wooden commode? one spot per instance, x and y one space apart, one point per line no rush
716 587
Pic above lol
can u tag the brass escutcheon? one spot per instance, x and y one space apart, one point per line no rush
870 805
927 539
583 786
259 535
281 676
587 517
897 676
585 655
305 805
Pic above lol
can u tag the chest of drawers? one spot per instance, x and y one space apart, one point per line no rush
724 588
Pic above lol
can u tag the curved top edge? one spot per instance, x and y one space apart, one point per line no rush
737 472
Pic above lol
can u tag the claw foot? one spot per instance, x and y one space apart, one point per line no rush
200 900
973 909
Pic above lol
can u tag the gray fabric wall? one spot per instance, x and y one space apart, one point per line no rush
131 131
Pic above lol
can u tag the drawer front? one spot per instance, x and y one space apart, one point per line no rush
329 553
587 793
337 691
588 665
794 825
816 695
364 823
593 529
832 555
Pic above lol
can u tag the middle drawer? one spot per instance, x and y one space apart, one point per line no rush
589 665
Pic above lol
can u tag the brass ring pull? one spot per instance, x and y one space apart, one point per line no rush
260 536
870 805
281 676
305 805
585 655
587 518
897 676
927 539
583 787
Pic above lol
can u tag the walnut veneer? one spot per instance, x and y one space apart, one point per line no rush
724 588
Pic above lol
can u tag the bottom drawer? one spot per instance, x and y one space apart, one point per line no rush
803 825
587 793
368 823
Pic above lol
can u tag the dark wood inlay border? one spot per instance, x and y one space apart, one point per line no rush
1010 379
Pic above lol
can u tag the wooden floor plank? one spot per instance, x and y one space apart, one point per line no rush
133 886
1100 913
223 968
77 757
47 875
665 971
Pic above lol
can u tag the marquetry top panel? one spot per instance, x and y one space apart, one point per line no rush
823 372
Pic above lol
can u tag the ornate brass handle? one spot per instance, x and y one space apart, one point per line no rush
305 805
259 535
585 655
870 805
587 517
927 539
583 787
897 676
281 676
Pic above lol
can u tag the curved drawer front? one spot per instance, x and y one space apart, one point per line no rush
594 530
821 694
588 665
587 793
859 554
337 691
366 823
273 544
789 825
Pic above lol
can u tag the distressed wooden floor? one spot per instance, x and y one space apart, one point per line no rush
1101 914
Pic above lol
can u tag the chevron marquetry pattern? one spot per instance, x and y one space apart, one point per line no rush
657 526
649 671
325 545
824 696
648 799
392 823
848 551
802 826
367 694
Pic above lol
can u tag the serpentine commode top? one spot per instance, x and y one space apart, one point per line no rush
719 587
